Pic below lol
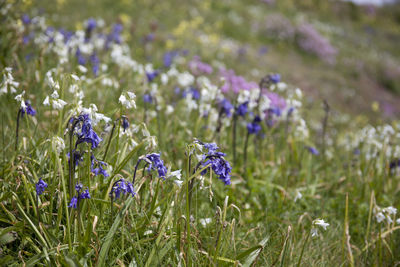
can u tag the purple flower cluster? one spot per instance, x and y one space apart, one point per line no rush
254 127
215 159
147 98
197 67
168 58
242 109
235 83
156 163
28 109
193 92
311 41
40 186
81 195
122 186
86 134
100 167
226 107
151 75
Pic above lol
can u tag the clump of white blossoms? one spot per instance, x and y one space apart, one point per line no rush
8 84
58 144
20 98
385 214
320 223
177 176
128 100
55 101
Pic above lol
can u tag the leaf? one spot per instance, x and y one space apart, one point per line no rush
109 237
253 252
8 238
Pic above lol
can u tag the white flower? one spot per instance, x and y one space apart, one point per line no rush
314 232
380 217
205 221
75 77
185 79
398 221
82 69
178 175
128 102
321 223
58 144
20 97
390 210
46 101
58 104
298 196
8 82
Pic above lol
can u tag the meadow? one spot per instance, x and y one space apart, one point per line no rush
174 133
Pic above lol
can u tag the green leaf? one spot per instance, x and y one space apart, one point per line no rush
109 237
253 253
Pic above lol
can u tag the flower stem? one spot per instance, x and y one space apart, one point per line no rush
302 249
234 129
17 130
246 143
109 140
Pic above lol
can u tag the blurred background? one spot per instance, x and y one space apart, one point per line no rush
346 52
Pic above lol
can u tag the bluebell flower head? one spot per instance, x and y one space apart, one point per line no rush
168 58
275 78
28 109
276 111
394 164
25 19
100 169
87 134
312 150
94 59
216 161
193 92
125 123
91 24
40 186
242 109
74 203
151 75
254 127
78 187
85 194
226 107
78 157
122 187
156 164
147 98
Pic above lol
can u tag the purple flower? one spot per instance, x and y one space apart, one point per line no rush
216 161
274 78
25 19
193 92
87 134
94 59
156 164
74 203
197 67
78 157
242 109
85 194
124 187
40 186
125 123
312 150
151 75
147 98
91 24
28 109
100 169
226 107
254 127
168 58
235 83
